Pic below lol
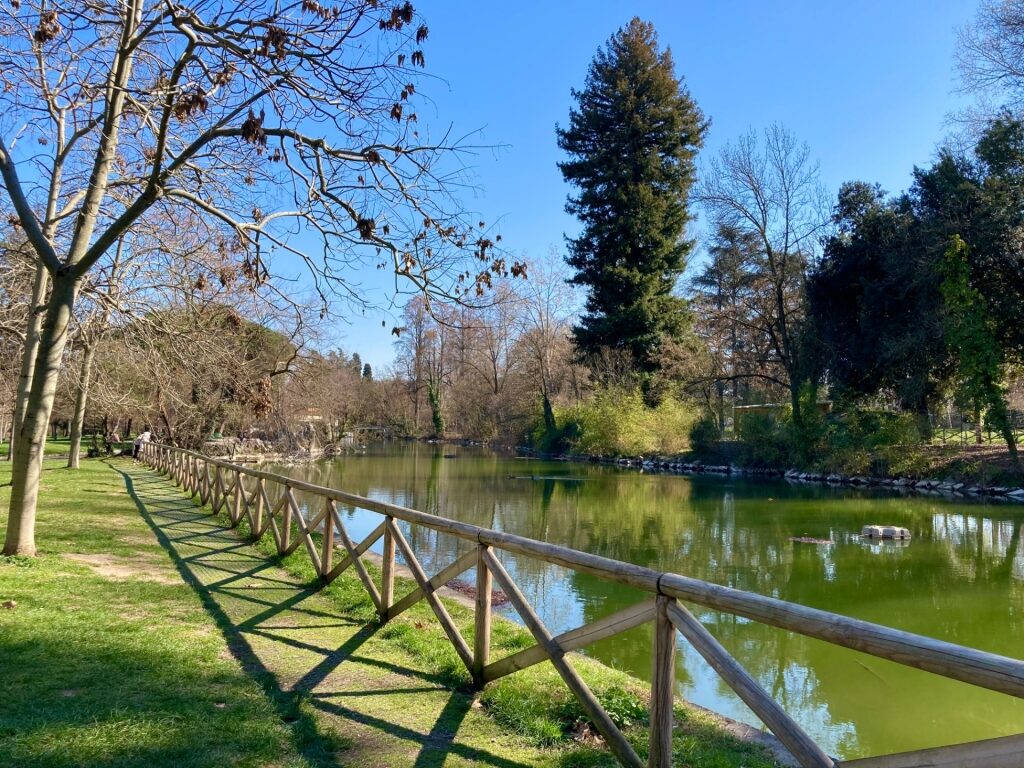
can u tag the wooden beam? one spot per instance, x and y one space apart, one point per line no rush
617 743
1004 752
802 747
618 622
443 617
371 588
461 565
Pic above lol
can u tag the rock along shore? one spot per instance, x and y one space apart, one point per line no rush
931 487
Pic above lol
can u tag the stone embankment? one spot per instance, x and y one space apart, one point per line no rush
905 484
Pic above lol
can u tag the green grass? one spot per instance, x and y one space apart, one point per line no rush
54 447
534 703
190 660
121 672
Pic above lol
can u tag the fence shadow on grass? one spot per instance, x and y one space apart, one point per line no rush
228 575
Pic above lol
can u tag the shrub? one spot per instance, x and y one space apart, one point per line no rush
704 434
554 440
617 422
765 438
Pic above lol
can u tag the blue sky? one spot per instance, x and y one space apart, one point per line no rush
868 85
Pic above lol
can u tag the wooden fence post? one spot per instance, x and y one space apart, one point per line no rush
327 553
286 520
387 575
218 490
204 484
236 502
482 632
662 687
257 531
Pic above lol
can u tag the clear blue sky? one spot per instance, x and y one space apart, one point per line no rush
869 86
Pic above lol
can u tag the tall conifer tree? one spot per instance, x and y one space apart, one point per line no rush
631 141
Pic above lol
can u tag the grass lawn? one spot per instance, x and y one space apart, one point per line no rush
105 669
161 639
59 447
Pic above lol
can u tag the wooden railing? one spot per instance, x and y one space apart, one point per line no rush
243 491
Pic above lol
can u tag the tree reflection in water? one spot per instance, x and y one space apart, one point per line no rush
961 578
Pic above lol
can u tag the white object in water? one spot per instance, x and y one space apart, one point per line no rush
884 532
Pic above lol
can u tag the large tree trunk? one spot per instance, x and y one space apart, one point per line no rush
28 357
80 402
31 438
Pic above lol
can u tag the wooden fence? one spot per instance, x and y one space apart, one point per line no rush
243 491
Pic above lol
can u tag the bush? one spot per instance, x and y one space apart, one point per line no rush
617 422
865 441
765 438
704 434
554 440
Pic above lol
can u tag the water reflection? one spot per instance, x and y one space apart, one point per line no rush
961 577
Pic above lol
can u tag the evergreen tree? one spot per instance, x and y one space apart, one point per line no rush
631 143
980 358
367 372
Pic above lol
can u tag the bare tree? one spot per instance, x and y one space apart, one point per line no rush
771 192
16 279
549 306
23 285
267 121
990 53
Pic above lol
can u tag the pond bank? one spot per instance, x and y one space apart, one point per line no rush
685 465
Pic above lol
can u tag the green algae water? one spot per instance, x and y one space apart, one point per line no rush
960 578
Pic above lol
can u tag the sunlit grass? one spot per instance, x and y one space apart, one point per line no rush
535 703
119 672
54 447
133 672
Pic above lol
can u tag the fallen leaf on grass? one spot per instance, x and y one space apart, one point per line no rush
9 604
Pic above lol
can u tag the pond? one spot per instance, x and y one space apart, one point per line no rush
960 578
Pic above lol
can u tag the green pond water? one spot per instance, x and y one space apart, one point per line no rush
960 578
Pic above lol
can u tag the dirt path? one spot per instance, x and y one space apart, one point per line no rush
295 640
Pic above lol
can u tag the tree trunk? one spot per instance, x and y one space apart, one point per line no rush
434 396
794 399
80 402
31 438
978 437
924 422
549 413
28 356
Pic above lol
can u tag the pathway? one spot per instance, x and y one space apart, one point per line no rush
295 640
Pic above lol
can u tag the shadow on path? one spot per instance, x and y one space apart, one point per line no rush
309 658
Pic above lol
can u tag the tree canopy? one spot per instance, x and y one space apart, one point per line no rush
631 141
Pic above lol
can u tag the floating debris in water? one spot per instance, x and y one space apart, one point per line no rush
884 532
546 477
809 540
